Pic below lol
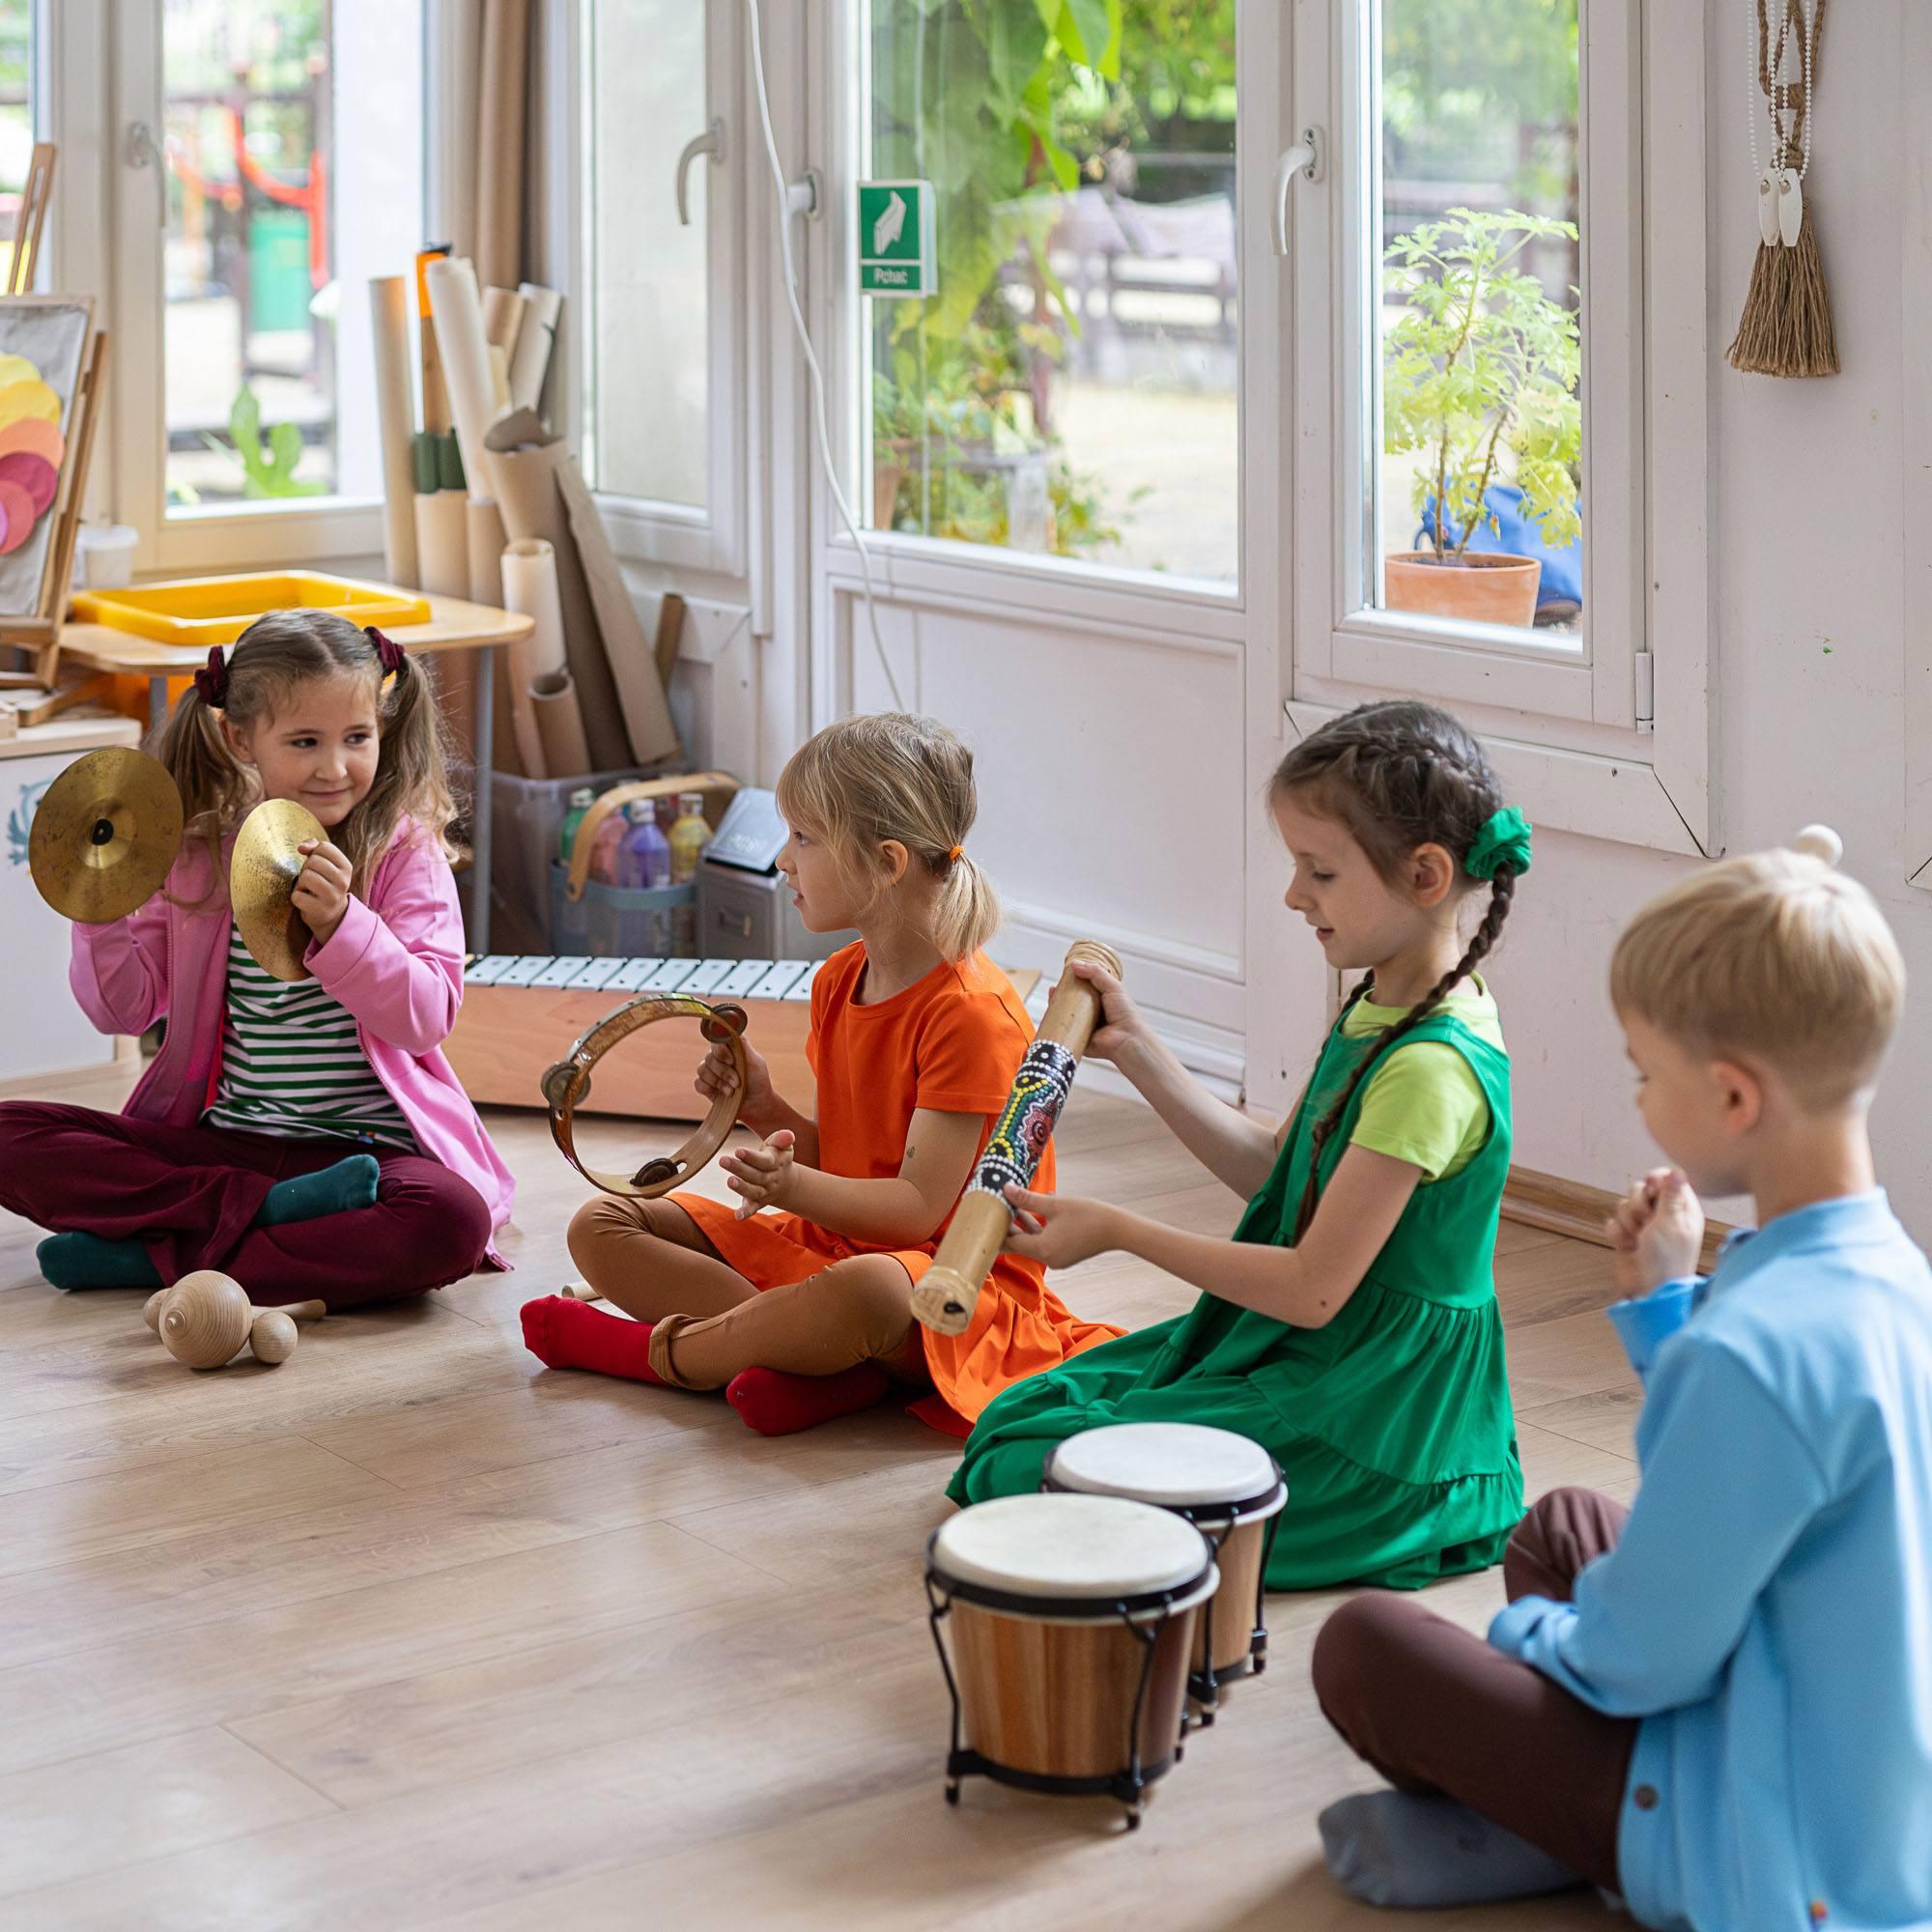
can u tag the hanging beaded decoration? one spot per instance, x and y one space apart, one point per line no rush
1786 325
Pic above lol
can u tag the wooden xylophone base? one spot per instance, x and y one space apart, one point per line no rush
520 1015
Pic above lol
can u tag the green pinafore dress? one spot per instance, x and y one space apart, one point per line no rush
1393 1423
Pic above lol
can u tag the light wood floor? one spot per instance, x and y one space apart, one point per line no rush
411 1632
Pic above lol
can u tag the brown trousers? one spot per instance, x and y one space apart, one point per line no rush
708 1323
1434 1709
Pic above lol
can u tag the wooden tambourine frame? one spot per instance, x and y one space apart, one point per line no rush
567 1084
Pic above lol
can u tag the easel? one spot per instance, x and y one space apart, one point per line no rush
37 635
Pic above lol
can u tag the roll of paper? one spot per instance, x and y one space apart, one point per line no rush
443 543
484 541
500 142
632 656
526 458
465 364
389 309
529 588
531 363
502 317
566 754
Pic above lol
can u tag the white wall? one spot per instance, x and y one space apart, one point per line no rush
1811 635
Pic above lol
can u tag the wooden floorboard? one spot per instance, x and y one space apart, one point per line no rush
410 1632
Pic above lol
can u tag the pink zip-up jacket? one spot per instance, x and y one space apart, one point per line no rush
395 962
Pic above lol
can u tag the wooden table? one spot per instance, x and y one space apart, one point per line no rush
454 625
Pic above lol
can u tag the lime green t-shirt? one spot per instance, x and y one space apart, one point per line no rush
1424 1103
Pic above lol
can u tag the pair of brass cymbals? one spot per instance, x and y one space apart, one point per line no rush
106 835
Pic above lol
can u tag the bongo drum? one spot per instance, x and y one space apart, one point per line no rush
1071 1623
1231 1489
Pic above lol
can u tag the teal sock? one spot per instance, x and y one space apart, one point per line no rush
1392 1848
86 1261
349 1185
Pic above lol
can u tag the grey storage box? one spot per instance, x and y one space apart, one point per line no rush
744 905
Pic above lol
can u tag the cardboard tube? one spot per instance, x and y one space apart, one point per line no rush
530 362
632 656
502 317
465 364
484 541
435 396
443 543
389 310
527 460
502 97
529 588
560 727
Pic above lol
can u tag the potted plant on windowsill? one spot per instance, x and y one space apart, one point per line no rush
1479 375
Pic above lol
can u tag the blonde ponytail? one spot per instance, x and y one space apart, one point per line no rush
969 910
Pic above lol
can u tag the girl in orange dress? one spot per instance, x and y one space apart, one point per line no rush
798 1301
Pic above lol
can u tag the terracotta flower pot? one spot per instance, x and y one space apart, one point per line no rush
1479 586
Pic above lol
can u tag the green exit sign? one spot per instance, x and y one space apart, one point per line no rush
896 256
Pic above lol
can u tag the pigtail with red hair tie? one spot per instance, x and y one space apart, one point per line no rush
387 650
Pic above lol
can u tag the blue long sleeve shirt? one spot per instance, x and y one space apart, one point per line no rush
1767 1613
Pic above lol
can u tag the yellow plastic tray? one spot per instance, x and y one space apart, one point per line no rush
202 611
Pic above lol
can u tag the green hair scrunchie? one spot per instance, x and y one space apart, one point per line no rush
1503 841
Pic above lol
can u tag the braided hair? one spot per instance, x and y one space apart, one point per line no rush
1397 775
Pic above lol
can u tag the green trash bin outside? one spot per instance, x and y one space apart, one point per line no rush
278 285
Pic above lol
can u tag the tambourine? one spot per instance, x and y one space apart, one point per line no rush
566 1086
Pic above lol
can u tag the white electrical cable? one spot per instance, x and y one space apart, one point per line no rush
805 344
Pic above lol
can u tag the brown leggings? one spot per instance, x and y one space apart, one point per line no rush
1435 1709
707 1322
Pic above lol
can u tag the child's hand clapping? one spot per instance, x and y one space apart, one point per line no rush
321 888
760 1174
1657 1232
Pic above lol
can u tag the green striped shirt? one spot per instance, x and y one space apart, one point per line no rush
292 1064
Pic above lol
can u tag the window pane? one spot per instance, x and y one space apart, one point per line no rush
295 174
1070 386
647 385
1477 331
16 109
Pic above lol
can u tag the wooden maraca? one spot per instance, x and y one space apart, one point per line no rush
204 1319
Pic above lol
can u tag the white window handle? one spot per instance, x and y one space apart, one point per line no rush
711 142
1304 158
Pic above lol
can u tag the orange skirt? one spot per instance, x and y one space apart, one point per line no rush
1020 1327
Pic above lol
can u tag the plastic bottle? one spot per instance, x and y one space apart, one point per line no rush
643 859
688 838
580 802
606 848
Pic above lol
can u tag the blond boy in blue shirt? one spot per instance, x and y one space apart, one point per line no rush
1719 1705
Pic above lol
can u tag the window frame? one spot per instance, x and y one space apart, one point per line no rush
711 539
1068 585
128 259
1575 731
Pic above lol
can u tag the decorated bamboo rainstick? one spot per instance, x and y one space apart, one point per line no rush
944 1299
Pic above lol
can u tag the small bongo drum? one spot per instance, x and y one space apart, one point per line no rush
1072 1622
1231 1489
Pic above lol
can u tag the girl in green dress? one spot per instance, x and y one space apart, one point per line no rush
1351 1327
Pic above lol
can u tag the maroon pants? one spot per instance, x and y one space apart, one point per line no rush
188 1194
1435 1709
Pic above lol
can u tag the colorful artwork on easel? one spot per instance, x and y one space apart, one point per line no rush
43 343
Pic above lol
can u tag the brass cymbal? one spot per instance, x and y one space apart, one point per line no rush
262 874
106 834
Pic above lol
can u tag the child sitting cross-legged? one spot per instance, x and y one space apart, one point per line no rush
1719 1704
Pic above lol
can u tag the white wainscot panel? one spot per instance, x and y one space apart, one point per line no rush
1111 794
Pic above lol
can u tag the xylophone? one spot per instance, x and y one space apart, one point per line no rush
522 1012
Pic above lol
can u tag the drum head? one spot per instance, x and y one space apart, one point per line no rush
1068 1549
1175 1465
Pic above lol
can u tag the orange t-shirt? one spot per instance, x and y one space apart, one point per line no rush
950 1043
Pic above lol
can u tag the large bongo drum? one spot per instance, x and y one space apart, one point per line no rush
1071 1622
1229 1488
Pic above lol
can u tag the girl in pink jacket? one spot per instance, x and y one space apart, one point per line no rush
308 1139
